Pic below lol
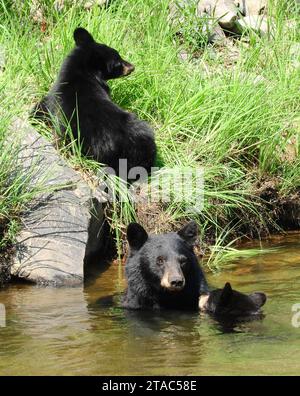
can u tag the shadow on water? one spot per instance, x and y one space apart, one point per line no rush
144 321
82 331
236 325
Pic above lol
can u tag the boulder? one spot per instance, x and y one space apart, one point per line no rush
255 7
236 17
63 226
176 10
60 5
209 28
256 23
213 31
224 11
92 3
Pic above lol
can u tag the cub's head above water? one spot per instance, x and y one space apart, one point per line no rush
229 302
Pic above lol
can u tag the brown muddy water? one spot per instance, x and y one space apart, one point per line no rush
66 331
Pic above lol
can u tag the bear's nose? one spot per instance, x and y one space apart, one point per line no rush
177 283
127 68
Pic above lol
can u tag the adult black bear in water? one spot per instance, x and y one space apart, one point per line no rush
81 98
163 273
162 270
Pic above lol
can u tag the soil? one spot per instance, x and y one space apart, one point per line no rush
5 255
5 262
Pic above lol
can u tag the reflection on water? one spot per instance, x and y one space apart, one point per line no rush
66 331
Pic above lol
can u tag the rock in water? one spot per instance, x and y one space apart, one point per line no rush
59 230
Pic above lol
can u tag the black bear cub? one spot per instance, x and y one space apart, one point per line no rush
227 302
162 270
163 273
81 98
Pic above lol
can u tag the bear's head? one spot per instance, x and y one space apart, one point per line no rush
164 261
229 302
100 58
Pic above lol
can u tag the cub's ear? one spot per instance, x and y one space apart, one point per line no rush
136 236
189 233
225 295
82 36
258 298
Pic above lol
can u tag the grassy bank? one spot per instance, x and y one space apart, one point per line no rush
232 109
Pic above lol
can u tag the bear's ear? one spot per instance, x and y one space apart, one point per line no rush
82 36
225 295
189 233
258 298
136 236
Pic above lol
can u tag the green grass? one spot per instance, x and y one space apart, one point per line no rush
233 117
16 191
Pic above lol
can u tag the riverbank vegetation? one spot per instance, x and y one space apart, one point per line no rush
232 108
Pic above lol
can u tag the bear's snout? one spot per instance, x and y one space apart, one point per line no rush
177 283
172 282
127 68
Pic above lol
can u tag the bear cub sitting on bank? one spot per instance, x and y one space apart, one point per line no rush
163 273
81 98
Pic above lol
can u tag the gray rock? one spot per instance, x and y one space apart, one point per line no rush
242 6
257 23
255 7
60 5
59 231
183 55
180 14
224 11
176 10
228 14
92 3
215 34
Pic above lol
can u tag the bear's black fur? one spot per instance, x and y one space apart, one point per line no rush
163 273
81 97
227 302
162 270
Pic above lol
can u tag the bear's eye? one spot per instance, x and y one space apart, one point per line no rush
118 66
160 260
183 261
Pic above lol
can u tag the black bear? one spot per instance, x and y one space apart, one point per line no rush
227 302
81 98
162 270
